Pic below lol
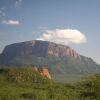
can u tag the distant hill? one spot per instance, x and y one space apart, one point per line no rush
63 62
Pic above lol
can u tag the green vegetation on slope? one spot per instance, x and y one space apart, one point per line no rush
26 84
59 66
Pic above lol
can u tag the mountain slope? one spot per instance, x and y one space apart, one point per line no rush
59 59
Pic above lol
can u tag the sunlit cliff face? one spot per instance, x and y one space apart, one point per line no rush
43 71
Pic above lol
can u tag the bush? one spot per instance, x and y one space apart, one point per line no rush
90 87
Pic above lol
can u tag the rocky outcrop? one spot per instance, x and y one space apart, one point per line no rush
43 71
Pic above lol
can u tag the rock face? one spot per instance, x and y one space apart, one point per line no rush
43 71
37 48
61 51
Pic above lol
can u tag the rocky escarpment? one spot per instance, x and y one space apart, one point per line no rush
37 48
61 51
43 71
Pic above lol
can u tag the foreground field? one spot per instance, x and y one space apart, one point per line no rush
26 84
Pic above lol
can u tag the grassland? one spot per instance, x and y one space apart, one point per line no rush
26 84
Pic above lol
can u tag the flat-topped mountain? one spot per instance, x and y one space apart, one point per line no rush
38 48
59 59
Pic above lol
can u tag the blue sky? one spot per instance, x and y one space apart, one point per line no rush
22 20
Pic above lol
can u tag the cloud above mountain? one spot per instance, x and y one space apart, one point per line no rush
10 22
63 36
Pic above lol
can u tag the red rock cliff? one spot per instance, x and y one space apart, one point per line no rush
43 71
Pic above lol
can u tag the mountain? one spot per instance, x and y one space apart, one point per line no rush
63 62
37 48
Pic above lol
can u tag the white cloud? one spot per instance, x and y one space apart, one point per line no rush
10 22
63 36
18 3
